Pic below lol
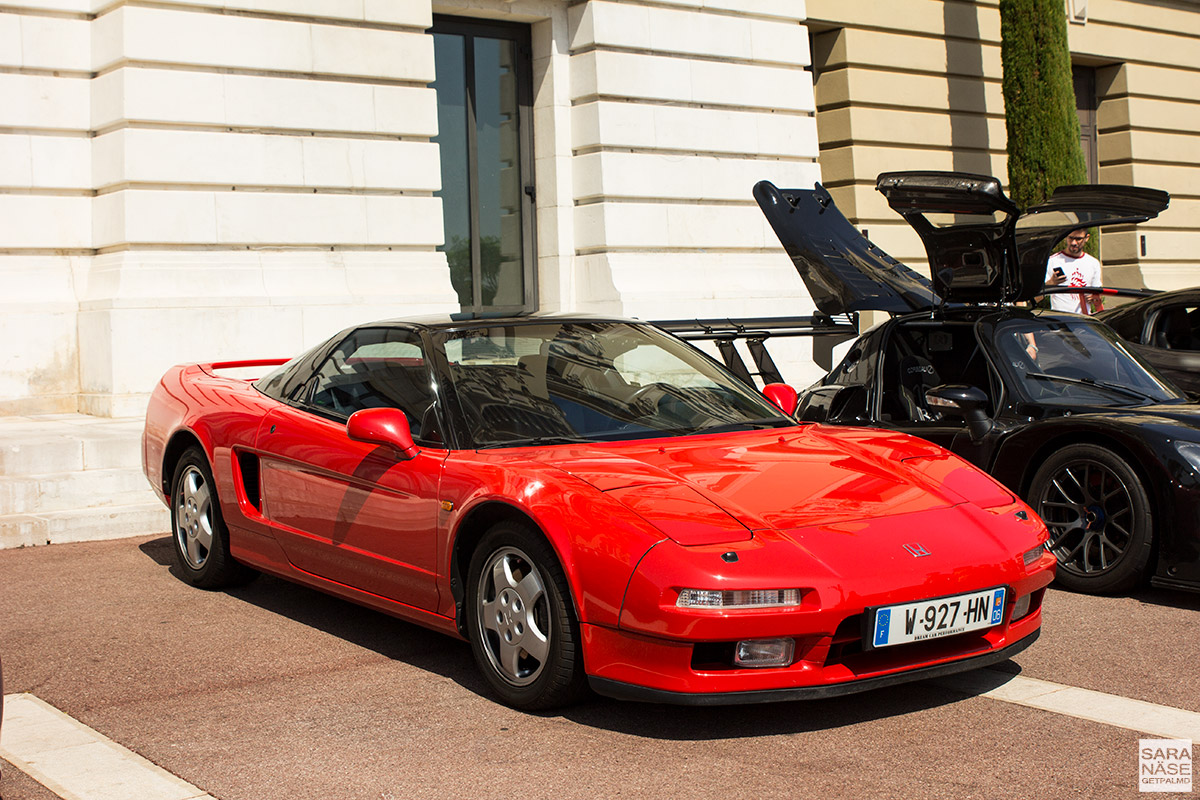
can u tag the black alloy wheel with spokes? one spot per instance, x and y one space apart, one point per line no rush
1099 518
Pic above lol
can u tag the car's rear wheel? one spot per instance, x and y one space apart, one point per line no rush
520 620
198 533
1099 518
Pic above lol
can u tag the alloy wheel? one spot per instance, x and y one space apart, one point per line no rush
194 518
1089 510
514 619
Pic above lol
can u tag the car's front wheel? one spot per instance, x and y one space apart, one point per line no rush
198 533
1099 518
520 620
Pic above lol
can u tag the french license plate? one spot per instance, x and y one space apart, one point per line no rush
931 619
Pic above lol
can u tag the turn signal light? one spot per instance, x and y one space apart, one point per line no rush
764 653
1021 607
738 598
1034 554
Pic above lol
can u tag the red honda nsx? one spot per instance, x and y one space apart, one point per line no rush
594 503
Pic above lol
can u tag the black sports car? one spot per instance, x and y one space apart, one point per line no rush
1054 405
1163 329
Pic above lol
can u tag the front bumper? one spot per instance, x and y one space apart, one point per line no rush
661 652
629 691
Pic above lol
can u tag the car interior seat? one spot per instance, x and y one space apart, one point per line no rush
917 376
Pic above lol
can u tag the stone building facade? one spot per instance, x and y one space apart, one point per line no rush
207 179
221 179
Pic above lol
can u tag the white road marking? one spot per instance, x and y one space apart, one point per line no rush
77 763
1071 701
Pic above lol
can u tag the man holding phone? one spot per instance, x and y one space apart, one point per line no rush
1071 266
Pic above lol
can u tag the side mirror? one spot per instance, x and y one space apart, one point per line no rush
960 400
783 396
386 426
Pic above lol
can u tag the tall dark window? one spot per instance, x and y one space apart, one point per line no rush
484 91
1085 106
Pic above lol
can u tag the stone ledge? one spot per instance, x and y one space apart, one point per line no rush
83 525
89 488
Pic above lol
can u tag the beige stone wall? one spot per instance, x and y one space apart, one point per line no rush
915 84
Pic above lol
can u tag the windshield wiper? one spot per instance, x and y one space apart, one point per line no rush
542 440
1116 387
747 425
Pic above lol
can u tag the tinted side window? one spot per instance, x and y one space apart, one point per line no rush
1177 328
287 381
844 373
378 368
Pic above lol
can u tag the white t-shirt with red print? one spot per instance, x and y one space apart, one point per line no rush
1082 271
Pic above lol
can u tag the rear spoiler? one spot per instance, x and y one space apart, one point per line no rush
827 332
246 369
1104 290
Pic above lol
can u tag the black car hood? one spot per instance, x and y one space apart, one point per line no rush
981 247
1186 413
843 271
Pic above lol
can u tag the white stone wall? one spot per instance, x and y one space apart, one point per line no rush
45 207
181 182
201 179
676 111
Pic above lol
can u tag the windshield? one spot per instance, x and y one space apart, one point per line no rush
550 383
1058 361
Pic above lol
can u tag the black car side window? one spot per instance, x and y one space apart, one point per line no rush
849 405
378 368
1177 328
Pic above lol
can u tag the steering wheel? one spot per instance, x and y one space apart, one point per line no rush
641 392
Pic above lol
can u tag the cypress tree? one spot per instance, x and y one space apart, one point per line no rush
1039 101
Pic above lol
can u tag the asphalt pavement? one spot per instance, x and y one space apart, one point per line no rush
277 691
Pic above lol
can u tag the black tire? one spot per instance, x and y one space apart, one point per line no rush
1098 513
199 537
520 620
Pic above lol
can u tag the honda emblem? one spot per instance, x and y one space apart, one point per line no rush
916 550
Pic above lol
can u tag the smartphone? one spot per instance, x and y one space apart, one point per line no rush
1059 272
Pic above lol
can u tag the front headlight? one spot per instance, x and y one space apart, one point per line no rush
738 598
1191 454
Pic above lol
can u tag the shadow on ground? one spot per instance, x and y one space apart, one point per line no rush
1168 598
451 658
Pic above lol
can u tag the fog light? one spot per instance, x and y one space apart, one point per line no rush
1034 554
764 652
739 598
1021 607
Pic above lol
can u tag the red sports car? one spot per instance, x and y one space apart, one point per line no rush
593 502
